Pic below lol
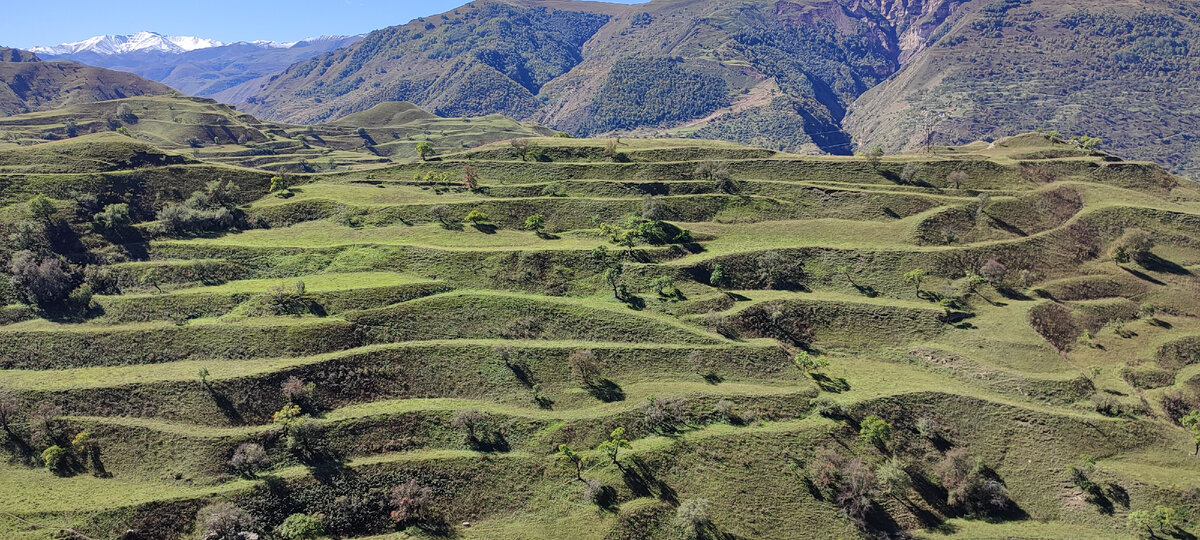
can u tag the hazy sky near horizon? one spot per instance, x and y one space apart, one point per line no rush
26 24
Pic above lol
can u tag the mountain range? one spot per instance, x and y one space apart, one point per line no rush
195 66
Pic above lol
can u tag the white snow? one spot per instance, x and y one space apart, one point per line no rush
152 41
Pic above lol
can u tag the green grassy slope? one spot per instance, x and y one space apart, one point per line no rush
410 316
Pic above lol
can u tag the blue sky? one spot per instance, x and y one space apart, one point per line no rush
26 24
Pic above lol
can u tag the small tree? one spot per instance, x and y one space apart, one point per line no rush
470 177
664 286
874 156
441 213
993 271
1142 522
8 411
612 447
411 503
277 184
249 459
653 208
535 223
301 527
472 422
114 218
808 363
693 517
42 208
1134 245
857 485
585 367
203 374
424 150
224 521
1192 422
915 276
875 431
893 481
580 462
956 178
305 439
717 277
612 276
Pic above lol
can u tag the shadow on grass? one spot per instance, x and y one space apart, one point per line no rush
607 391
642 481
829 384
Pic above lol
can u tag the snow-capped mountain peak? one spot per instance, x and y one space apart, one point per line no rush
141 41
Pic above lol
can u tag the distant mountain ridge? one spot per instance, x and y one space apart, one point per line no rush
199 67
141 41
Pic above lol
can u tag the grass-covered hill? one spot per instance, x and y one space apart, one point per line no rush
205 130
586 338
803 75
29 84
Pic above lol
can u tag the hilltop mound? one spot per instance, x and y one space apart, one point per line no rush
391 113
37 86
89 153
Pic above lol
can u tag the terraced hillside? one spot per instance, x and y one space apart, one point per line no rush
550 338
208 131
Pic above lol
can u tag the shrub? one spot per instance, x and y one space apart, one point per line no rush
892 480
201 212
857 484
411 503
717 172
825 469
473 423
249 459
224 521
114 218
45 282
665 415
535 223
717 277
43 422
470 177
297 391
967 484
301 527
55 458
305 439
653 208
1134 245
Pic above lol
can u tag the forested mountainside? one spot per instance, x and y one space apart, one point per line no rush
799 75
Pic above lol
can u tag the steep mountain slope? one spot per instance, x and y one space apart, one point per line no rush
35 86
782 74
594 68
208 70
1122 71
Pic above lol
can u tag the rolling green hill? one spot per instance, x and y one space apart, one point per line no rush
804 76
994 340
28 84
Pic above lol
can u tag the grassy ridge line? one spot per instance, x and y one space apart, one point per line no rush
86 492
120 376
636 391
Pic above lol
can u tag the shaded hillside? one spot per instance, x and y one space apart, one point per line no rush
17 55
782 74
212 71
31 85
1125 72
